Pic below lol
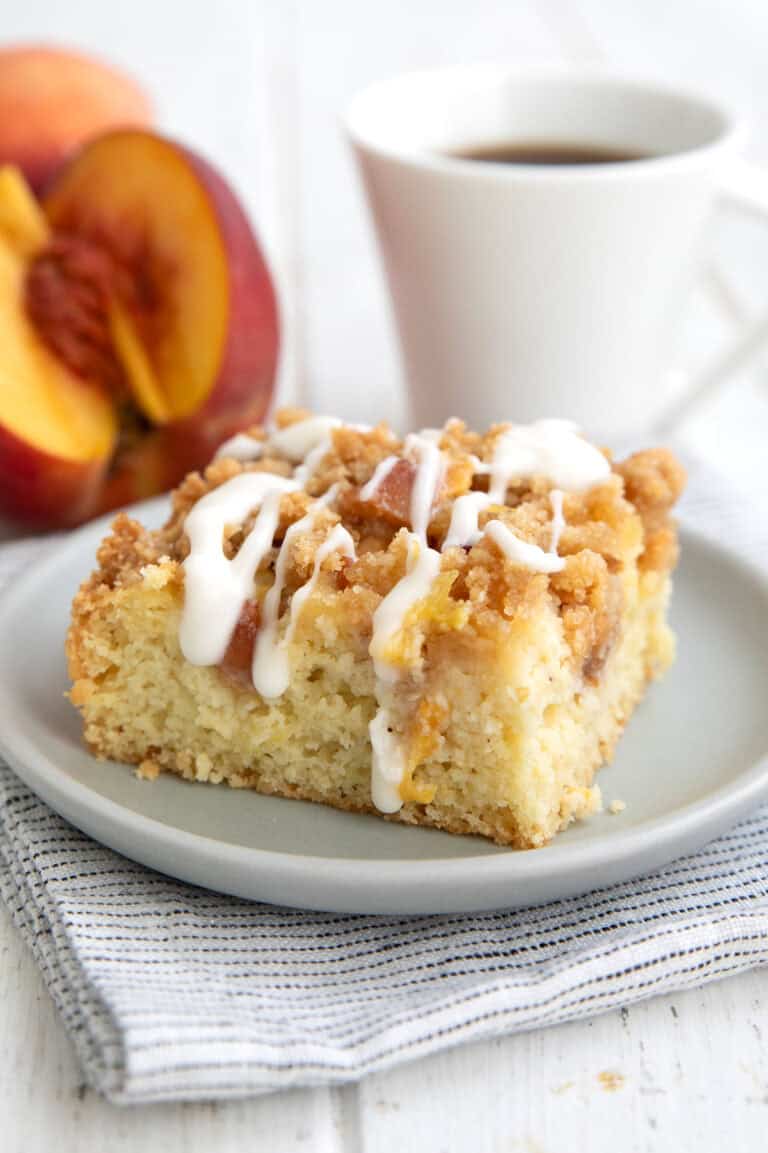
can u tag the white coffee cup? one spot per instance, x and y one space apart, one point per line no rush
525 291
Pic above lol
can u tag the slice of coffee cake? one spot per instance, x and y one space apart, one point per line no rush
451 629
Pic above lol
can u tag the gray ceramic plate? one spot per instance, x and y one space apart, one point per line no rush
692 761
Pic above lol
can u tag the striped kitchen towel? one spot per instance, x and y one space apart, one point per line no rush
168 991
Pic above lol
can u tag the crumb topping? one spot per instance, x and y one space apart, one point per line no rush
626 517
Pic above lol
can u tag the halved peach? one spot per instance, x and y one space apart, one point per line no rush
57 432
53 100
188 301
141 328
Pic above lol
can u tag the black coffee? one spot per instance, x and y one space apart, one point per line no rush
546 152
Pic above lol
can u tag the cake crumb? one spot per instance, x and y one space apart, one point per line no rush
617 807
148 771
157 576
610 1081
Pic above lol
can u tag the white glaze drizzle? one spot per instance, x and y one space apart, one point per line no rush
388 761
463 529
433 434
217 588
270 665
479 467
305 442
338 540
521 552
271 669
241 447
430 466
422 566
297 441
550 448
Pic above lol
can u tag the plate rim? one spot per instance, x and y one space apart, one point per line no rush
73 799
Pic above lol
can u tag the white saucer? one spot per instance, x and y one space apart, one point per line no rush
693 761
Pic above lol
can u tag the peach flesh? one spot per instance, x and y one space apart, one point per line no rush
202 300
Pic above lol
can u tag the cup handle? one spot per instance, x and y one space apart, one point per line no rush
745 188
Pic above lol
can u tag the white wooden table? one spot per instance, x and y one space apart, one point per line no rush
258 85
